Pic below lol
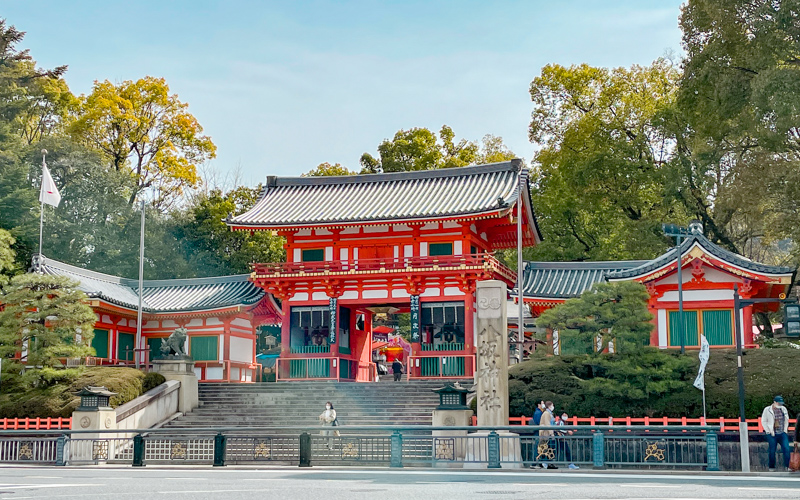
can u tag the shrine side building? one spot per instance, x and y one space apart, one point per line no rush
710 274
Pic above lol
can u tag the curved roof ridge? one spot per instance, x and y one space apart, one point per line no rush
178 295
701 241
48 262
515 164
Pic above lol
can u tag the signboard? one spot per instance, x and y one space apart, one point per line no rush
415 318
332 328
791 320
380 337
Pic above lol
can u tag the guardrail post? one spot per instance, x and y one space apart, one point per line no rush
220 444
61 448
397 449
598 450
712 452
305 450
138 450
493 450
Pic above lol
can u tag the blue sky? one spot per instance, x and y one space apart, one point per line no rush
283 86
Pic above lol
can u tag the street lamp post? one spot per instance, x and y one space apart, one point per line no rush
679 232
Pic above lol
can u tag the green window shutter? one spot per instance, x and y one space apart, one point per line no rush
125 346
155 346
717 327
203 348
691 334
313 255
435 249
100 343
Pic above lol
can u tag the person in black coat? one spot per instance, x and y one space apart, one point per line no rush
397 369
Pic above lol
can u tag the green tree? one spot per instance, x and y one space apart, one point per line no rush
47 317
739 128
147 132
421 149
609 311
32 101
600 172
326 169
212 248
7 256
493 150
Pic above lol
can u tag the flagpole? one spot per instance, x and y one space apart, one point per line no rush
41 215
141 283
704 402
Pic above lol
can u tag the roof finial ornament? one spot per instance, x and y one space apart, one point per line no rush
696 227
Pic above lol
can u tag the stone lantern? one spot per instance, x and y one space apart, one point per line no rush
95 398
452 397
449 446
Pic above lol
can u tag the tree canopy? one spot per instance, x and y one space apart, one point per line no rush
612 312
147 132
45 318
421 149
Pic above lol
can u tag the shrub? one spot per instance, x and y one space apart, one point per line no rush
654 383
152 380
58 398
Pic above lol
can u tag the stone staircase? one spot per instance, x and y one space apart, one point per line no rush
300 403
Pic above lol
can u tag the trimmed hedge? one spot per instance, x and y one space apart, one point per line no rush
51 393
655 383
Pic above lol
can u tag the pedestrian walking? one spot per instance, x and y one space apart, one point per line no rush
397 369
775 421
328 419
546 448
563 444
529 448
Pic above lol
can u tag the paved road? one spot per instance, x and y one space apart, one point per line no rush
380 484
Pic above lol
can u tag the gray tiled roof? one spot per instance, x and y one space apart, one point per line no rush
564 280
161 295
717 251
385 197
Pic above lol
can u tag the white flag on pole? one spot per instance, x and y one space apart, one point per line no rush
705 350
49 193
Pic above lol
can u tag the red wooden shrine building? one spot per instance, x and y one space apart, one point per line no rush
709 275
360 246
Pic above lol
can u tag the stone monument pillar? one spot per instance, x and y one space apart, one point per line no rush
491 346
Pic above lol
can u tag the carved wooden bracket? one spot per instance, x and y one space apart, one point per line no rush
414 285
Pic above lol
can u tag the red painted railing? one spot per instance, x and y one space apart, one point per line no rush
725 424
35 424
390 264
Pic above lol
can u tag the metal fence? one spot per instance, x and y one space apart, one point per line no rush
395 446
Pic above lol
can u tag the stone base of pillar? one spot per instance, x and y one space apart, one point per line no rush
477 456
457 448
182 370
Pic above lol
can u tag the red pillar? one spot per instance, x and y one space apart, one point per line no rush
286 340
654 332
747 326
469 323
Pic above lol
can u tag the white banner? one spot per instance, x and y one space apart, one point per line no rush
705 350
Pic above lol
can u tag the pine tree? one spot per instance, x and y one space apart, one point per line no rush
47 318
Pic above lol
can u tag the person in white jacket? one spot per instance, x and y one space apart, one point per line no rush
775 421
